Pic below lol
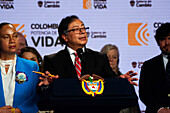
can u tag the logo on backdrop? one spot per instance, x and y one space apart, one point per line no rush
137 64
49 4
140 3
156 25
87 4
97 34
20 28
7 4
96 4
137 34
44 34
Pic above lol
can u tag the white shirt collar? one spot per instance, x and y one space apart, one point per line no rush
71 51
165 60
165 56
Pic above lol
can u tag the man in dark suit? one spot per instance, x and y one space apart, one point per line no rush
94 63
153 84
72 33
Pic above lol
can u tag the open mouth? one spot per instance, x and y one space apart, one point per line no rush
12 47
82 38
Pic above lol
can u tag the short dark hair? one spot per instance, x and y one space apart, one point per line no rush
162 31
19 33
63 26
4 23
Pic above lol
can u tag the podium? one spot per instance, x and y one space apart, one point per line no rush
67 95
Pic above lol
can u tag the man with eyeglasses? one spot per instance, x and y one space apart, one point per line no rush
72 33
76 61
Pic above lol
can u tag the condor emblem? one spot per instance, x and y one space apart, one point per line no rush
93 87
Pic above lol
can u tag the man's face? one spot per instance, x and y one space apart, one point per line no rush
164 44
22 43
9 40
76 39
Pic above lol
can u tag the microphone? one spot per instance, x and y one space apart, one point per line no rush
80 53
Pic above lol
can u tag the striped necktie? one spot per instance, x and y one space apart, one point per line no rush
77 65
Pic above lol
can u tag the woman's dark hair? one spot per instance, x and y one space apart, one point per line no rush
162 31
62 29
5 23
33 51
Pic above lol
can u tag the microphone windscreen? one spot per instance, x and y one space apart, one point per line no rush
79 52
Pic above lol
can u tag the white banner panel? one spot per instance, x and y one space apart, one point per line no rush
129 24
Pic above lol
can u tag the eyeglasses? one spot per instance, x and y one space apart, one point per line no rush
78 30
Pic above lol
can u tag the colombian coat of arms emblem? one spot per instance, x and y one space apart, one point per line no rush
93 87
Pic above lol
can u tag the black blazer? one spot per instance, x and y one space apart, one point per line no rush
92 63
153 85
61 64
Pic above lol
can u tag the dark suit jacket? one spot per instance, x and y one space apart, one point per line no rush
153 85
61 64
92 63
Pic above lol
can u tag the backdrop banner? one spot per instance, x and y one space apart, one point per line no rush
129 24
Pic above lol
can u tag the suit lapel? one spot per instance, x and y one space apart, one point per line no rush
161 65
68 64
159 73
89 63
18 67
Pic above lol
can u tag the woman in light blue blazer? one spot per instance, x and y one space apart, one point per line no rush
17 81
